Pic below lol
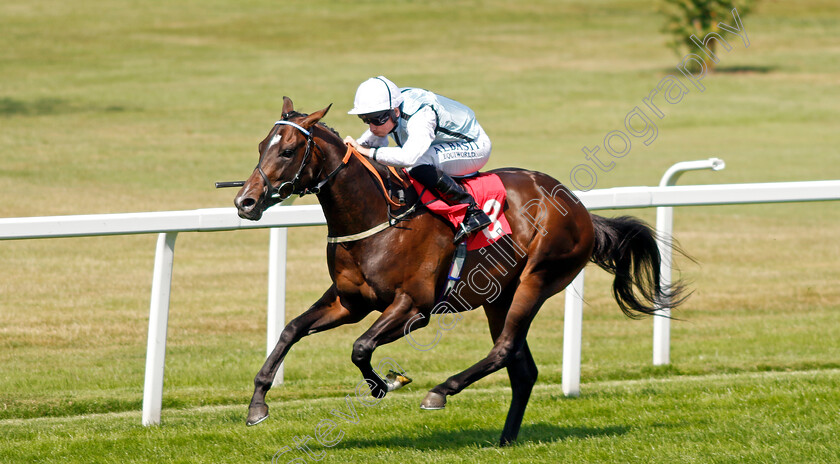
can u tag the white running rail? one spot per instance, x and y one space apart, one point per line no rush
169 223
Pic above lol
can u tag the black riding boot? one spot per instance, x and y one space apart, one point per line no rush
453 194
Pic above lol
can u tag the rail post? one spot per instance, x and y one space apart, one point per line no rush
158 320
665 230
276 311
276 292
572 336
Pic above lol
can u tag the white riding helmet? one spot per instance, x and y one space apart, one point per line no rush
376 94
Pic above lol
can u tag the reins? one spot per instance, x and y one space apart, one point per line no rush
351 151
288 188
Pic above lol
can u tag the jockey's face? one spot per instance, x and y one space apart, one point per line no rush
382 130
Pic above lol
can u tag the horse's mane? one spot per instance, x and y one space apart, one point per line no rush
295 114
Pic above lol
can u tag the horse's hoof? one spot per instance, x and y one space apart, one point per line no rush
257 414
433 401
396 381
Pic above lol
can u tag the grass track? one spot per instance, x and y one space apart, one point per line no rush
723 418
142 107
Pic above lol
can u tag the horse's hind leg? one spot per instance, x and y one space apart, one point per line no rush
526 302
522 372
325 314
531 293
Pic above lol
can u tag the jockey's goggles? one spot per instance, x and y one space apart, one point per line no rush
377 119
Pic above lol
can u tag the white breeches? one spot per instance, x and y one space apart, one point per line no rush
459 159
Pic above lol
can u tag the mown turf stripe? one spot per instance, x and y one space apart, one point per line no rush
538 388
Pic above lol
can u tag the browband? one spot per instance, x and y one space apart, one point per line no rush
290 123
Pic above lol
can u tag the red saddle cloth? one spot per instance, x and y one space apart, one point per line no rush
489 193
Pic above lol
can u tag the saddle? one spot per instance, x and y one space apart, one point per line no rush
486 188
489 193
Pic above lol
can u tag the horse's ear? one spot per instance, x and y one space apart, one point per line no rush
313 118
288 106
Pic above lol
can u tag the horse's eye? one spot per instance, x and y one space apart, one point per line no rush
287 153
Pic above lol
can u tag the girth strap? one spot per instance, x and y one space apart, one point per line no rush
373 230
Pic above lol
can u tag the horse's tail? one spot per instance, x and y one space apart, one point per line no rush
627 248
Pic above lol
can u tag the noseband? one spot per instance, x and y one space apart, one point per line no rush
289 187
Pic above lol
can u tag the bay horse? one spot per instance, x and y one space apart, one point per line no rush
398 268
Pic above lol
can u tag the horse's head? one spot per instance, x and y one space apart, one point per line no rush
287 163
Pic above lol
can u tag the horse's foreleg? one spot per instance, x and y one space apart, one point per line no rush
325 314
390 326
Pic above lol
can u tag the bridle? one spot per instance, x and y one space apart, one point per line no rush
289 187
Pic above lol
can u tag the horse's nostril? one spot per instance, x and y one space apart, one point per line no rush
246 203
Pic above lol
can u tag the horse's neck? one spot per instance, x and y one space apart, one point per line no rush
352 201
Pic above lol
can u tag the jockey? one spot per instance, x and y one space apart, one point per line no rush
436 138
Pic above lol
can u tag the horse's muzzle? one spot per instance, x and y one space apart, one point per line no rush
248 207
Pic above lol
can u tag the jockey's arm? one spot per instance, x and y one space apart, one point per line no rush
421 133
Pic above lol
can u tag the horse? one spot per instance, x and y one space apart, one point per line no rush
396 262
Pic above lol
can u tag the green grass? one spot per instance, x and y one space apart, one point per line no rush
762 417
141 107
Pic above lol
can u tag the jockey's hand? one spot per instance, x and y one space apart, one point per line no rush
352 142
